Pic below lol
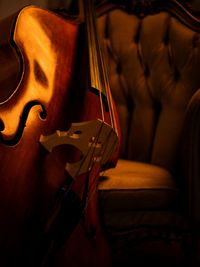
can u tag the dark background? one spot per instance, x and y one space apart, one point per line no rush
8 7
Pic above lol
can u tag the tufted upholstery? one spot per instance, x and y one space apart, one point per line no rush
152 70
153 64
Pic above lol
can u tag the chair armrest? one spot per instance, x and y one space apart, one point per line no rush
191 157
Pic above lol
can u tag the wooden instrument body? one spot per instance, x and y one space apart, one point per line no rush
52 82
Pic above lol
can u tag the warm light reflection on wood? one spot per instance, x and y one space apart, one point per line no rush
37 50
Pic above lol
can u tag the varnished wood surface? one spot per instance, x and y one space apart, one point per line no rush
30 176
48 66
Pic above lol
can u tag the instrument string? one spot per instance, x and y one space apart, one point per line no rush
99 81
94 56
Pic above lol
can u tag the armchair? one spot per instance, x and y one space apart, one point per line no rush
150 203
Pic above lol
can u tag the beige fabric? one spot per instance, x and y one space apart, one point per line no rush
133 185
153 70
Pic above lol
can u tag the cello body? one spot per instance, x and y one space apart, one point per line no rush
30 176
43 89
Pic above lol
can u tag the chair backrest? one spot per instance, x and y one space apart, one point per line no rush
154 69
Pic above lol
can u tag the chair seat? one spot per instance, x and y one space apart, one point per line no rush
135 196
136 186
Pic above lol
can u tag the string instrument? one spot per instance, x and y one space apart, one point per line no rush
58 131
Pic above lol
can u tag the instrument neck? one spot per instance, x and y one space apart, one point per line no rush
98 73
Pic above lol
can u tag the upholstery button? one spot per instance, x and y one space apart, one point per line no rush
195 41
166 38
176 74
137 35
119 68
146 71
157 108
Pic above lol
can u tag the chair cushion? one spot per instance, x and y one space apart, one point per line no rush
136 186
